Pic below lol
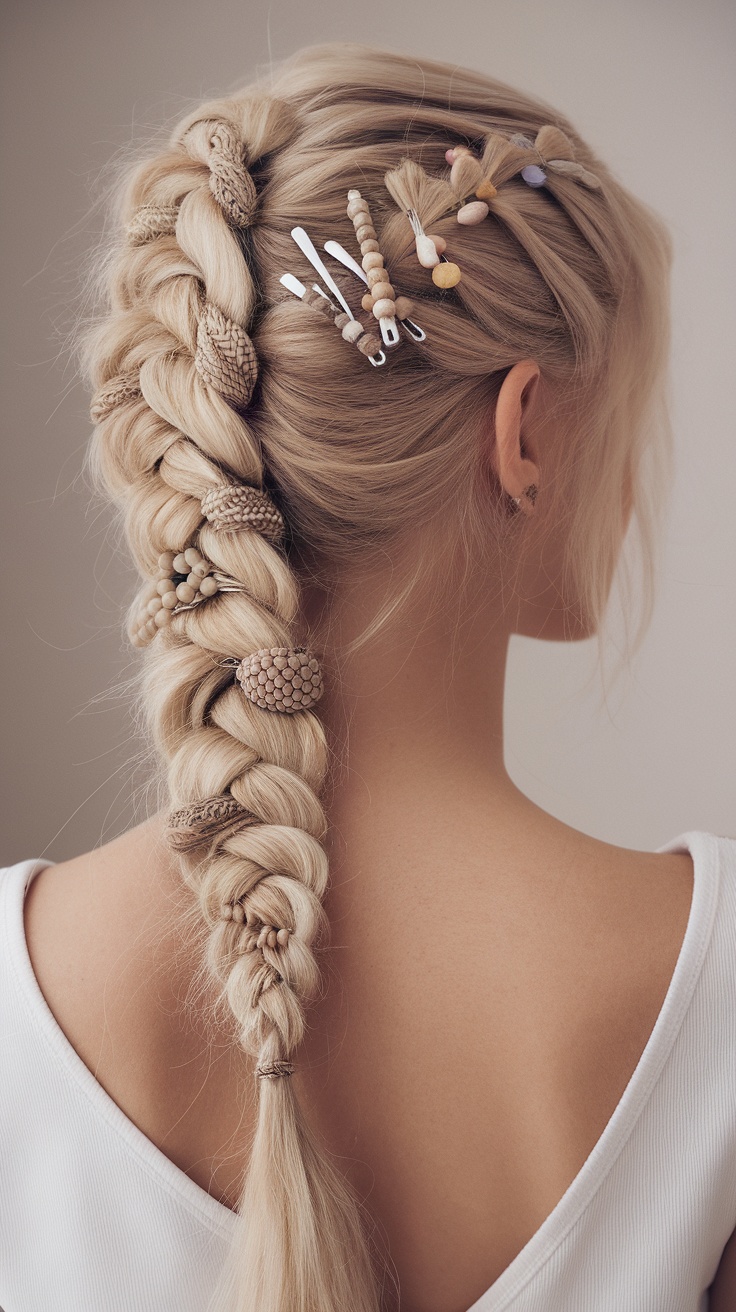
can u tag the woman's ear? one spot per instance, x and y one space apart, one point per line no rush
518 474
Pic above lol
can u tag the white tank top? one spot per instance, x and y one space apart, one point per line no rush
95 1218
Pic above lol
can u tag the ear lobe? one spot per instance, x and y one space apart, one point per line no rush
516 472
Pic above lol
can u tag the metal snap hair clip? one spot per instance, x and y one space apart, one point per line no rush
338 252
352 329
308 248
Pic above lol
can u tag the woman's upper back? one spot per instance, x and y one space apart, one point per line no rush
476 1061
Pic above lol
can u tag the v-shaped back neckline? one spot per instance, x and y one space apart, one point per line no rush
589 1179
550 1234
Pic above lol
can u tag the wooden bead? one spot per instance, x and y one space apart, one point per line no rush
282 937
208 587
341 319
446 275
201 568
166 561
384 309
192 556
370 245
373 260
353 194
169 599
474 212
352 330
367 302
272 938
376 275
153 605
440 244
162 618
382 290
366 232
194 581
162 587
185 593
238 913
486 190
404 307
181 564
356 207
370 344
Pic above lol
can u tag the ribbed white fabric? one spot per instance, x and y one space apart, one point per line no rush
94 1217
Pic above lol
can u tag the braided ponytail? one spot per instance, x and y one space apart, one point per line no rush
236 427
175 372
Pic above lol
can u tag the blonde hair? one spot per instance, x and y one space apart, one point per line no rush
354 457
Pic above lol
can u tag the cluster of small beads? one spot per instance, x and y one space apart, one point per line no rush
281 678
381 299
255 934
182 580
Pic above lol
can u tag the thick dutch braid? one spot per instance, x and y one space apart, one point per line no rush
175 375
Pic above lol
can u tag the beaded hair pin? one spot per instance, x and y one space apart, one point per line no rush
380 299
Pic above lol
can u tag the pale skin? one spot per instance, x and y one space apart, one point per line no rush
493 974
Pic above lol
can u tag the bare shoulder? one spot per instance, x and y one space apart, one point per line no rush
113 949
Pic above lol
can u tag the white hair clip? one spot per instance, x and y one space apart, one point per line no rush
402 304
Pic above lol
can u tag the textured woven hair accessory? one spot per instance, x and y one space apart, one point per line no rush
281 678
192 826
235 506
151 221
183 581
225 356
116 391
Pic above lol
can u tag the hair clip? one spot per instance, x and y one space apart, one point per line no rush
351 328
381 300
403 306
431 254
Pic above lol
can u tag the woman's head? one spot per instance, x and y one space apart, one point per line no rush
548 355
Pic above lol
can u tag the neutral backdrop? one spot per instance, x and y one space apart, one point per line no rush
651 84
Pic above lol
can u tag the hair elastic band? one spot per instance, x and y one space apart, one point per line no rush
275 1070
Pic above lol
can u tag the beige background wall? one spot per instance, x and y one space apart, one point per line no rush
650 82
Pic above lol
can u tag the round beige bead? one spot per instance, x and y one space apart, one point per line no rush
367 302
370 245
376 275
192 556
384 309
166 561
162 587
366 232
356 207
153 605
370 344
208 586
162 618
373 260
352 330
185 593
382 291
169 599
404 307
181 564
200 569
